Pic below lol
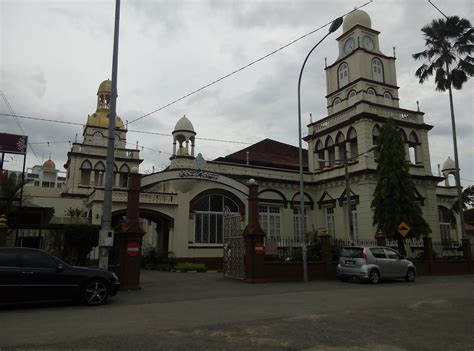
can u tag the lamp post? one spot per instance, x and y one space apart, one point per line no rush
334 26
346 159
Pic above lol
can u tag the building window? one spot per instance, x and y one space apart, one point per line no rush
336 104
343 74
351 97
99 171
269 218
123 176
37 183
375 135
377 70
331 151
372 95
352 139
330 222
387 98
86 169
355 223
341 143
296 221
414 149
320 155
447 224
209 218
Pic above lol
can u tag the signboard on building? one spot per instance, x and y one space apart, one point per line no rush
12 143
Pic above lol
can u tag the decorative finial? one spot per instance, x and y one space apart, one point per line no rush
247 157
417 106
325 62
439 170
136 145
310 117
394 53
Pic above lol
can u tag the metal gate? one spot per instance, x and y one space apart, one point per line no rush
234 249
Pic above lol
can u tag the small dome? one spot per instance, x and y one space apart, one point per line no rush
49 164
101 119
356 17
449 165
105 86
184 125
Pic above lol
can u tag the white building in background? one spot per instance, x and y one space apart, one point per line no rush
183 206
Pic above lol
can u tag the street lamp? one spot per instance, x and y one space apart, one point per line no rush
334 26
346 161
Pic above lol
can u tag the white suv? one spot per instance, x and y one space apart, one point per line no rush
374 264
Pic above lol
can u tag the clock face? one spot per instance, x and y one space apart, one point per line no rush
368 43
349 45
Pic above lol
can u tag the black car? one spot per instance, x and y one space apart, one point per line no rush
28 274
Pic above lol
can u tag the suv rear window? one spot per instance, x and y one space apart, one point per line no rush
8 258
352 252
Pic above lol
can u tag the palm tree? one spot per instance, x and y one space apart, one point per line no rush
449 44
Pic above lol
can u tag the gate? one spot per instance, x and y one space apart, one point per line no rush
234 249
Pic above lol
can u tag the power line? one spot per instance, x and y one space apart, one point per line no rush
243 67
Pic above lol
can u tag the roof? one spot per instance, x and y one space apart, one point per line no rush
268 153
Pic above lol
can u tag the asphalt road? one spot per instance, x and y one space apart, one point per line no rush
201 311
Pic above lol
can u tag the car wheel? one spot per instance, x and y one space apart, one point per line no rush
374 276
95 292
411 276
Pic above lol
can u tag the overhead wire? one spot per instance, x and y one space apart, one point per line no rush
243 67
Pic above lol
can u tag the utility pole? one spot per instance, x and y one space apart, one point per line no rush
106 234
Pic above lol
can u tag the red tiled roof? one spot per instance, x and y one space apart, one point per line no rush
268 153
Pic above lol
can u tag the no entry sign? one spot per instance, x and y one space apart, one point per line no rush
133 248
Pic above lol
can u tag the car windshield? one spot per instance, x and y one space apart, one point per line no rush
352 252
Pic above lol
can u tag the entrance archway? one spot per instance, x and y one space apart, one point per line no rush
158 228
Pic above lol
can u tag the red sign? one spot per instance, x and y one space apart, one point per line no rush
133 249
259 248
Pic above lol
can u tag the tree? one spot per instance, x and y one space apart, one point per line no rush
395 197
467 199
449 44
74 212
10 192
81 238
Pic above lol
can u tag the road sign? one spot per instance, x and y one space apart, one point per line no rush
259 248
403 228
133 248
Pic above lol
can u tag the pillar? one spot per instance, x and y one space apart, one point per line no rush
467 254
254 239
428 254
130 237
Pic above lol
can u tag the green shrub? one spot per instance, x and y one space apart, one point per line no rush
188 266
79 239
159 261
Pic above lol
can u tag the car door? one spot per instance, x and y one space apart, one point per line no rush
381 261
10 275
396 264
42 276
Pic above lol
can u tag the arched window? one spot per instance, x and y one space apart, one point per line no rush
372 95
343 74
86 168
414 148
351 97
123 175
209 217
341 143
387 98
447 224
319 155
99 174
352 139
375 135
330 151
377 70
336 104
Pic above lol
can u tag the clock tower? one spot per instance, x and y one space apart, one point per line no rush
361 71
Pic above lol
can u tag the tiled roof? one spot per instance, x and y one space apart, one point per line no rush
268 153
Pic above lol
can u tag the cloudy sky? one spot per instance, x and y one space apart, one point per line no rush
54 54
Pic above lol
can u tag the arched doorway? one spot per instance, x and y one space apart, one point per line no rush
156 224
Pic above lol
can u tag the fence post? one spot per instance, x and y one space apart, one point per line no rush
3 230
466 253
380 238
326 254
428 254
254 239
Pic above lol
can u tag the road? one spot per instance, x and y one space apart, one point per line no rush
201 311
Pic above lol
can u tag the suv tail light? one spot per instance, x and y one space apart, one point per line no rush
363 255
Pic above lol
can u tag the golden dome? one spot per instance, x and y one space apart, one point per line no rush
356 17
105 87
101 119
49 164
